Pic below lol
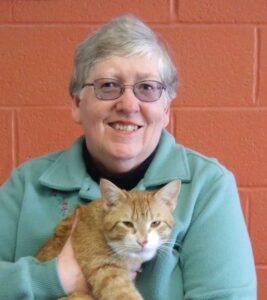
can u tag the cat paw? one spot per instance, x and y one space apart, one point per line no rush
77 296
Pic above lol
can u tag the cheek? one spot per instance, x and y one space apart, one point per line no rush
130 239
164 233
94 112
159 115
93 127
90 115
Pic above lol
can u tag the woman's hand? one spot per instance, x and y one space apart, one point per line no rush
71 276
134 271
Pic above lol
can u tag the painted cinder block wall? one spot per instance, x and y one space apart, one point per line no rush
220 48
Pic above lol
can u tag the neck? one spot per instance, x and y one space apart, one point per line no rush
124 175
116 166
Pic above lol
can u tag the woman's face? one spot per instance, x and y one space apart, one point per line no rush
117 147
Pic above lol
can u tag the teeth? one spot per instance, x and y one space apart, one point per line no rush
124 127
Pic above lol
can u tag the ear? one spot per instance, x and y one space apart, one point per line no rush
169 193
75 109
166 114
110 192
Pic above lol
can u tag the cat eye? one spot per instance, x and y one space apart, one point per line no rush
128 224
155 224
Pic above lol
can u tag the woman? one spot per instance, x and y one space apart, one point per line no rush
122 84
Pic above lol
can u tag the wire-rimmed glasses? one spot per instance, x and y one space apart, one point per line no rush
111 89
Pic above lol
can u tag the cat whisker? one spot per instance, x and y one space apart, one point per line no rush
172 244
169 242
163 251
166 249
119 252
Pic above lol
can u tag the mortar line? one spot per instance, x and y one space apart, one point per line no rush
14 147
255 82
12 11
252 188
174 124
219 108
261 266
174 11
248 204
173 108
29 106
172 118
259 62
87 24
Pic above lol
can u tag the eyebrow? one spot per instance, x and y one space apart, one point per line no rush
139 76
143 76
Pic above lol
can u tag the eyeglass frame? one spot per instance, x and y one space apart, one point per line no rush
123 86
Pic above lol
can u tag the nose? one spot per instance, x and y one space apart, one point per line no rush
127 102
142 241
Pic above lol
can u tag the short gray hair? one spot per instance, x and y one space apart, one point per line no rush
125 35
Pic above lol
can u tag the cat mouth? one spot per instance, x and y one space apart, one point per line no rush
142 251
143 254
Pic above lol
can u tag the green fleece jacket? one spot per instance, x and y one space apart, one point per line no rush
211 257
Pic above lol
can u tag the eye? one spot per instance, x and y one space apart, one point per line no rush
108 85
155 224
146 86
128 224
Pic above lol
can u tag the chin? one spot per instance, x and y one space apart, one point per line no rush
124 152
144 255
148 254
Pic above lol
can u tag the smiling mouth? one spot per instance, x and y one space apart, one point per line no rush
124 127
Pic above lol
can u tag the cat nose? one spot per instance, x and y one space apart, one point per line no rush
142 242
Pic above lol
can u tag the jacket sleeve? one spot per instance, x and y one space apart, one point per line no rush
25 278
216 256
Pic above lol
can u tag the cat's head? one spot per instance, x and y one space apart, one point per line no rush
137 223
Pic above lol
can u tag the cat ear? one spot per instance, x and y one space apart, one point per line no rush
110 192
169 193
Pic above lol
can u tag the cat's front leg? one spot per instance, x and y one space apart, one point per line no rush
77 296
111 282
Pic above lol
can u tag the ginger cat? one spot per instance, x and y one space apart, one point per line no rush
114 234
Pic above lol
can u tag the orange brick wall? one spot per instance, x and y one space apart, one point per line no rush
220 48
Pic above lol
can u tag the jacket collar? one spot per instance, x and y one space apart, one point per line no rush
170 162
68 171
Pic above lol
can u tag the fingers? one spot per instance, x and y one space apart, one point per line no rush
132 275
134 271
69 271
76 219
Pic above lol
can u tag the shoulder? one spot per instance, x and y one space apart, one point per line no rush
174 160
58 159
39 164
208 179
212 185
208 172
199 162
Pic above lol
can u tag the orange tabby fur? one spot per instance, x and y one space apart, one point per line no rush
113 234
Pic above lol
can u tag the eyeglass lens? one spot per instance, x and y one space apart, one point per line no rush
108 89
